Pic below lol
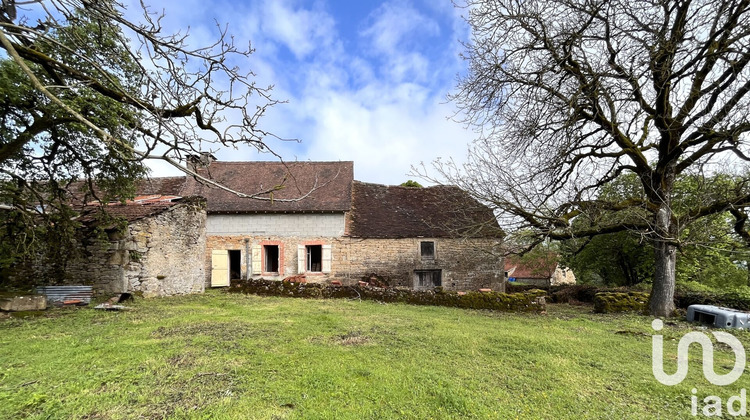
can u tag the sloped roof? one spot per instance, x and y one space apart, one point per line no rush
324 186
381 211
170 185
129 212
535 268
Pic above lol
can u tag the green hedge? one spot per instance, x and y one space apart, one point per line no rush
610 302
531 301
683 298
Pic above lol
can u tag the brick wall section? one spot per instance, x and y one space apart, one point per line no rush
466 264
293 225
159 255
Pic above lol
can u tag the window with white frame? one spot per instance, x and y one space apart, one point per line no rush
314 258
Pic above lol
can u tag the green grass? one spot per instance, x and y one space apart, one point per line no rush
234 356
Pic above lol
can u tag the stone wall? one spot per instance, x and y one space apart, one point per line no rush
159 255
465 264
167 252
287 259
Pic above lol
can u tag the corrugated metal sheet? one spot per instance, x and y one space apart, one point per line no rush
62 294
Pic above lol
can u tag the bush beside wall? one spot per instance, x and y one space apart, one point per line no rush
610 302
531 301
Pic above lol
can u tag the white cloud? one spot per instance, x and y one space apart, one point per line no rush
301 30
378 105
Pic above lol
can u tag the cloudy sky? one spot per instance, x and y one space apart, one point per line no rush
365 80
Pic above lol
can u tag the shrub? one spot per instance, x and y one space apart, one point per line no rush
609 302
531 301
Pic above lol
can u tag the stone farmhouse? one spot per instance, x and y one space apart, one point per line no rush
314 221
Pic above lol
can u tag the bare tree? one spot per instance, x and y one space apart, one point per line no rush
567 95
89 94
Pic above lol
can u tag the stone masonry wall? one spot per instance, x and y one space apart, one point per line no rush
466 264
157 256
165 253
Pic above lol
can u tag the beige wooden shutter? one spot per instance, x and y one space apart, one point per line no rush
219 268
255 261
326 258
301 259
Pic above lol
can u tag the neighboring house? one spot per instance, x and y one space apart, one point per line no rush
541 271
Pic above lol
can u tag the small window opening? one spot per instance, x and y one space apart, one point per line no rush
272 258
427 249
314 258
234 264
427 279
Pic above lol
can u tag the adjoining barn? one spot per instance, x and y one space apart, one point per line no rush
156 252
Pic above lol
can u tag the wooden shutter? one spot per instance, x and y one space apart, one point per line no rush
219 268
301 259
326 258
255 261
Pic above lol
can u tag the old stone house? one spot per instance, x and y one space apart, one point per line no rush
335 228
312 220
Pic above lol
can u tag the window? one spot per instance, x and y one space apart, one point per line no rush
272 258
314 258
427 250
427 279
235 256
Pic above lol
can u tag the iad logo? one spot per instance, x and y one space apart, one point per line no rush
657 347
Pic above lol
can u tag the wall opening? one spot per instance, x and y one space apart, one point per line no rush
427 250
427 279
314 258
271 258
235 264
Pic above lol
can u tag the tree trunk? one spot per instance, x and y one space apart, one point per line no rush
662 293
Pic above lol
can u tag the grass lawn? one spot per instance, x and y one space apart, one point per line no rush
233 356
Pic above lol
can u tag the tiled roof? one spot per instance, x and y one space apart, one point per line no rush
381 211
537 268
129 212
325 186
171 185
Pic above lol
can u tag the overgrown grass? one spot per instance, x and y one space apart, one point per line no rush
236 356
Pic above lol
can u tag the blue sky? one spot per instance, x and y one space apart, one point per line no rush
364 80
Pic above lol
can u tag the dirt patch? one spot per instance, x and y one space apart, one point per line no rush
353 338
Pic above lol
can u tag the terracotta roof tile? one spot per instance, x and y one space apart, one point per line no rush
380 211
129 212
537 268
